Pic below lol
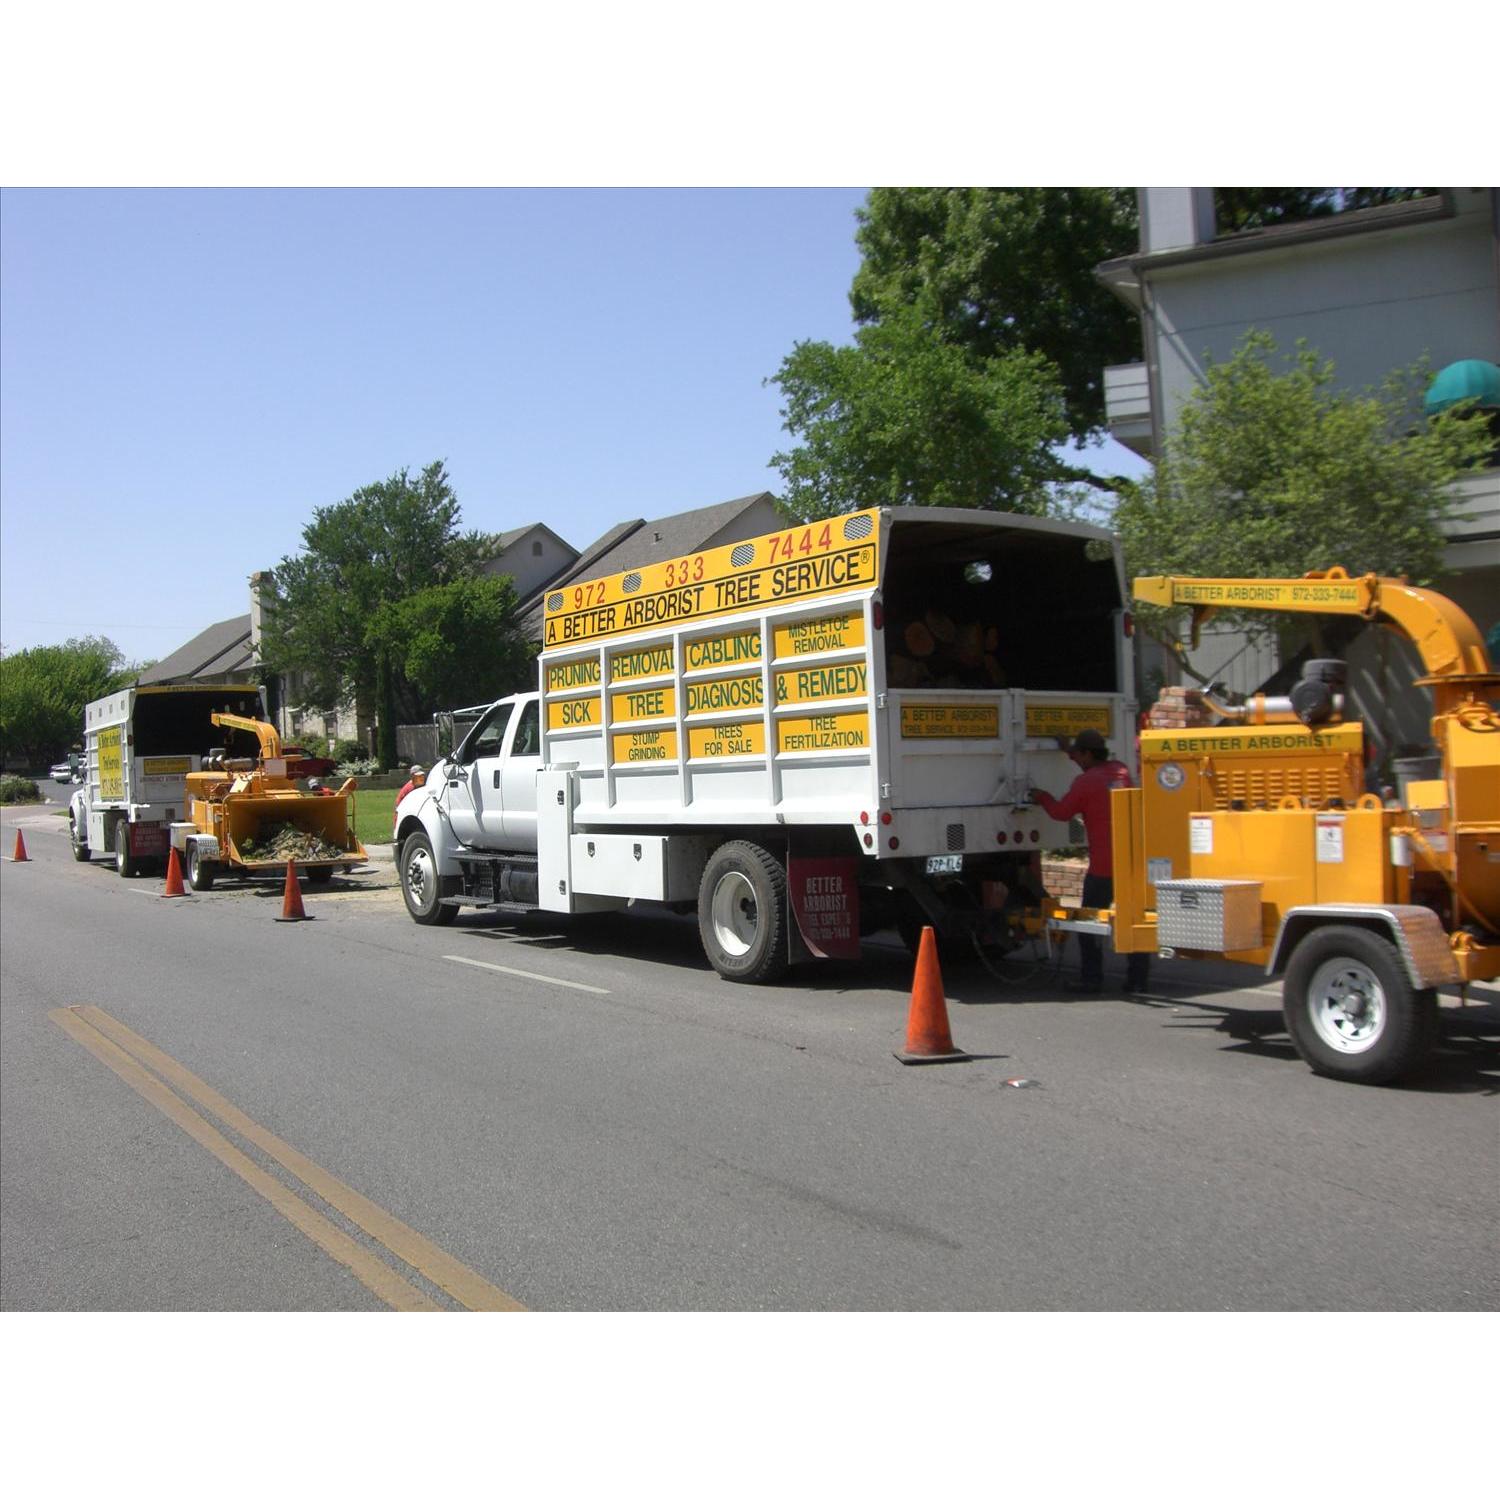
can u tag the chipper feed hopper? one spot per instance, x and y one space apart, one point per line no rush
250 816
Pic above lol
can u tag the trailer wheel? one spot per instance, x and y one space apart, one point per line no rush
1351 1008
80 844
125 862
742 913
421 887
200 871
318 874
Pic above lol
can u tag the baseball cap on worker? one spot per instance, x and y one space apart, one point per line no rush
1089 739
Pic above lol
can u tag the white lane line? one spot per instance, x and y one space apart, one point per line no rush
570 984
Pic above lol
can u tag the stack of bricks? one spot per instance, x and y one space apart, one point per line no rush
1062 879
1179 708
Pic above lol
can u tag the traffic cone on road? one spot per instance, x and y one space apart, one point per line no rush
20 857
174 876
928 1039
291 897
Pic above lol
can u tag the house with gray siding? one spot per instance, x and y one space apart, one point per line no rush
1373 290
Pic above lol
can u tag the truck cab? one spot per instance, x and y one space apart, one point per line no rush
487 786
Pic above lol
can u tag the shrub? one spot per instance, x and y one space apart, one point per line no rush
350 750
19 789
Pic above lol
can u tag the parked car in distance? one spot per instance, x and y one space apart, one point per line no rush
62 771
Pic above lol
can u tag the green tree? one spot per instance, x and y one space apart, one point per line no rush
360 557
1005 270
902 417
43 692
452 643
1272 472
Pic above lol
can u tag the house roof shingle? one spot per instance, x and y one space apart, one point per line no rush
211 654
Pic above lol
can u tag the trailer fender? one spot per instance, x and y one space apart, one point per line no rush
1415 931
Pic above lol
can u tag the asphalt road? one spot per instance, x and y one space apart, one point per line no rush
204 1108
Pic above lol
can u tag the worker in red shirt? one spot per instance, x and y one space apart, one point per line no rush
1088 798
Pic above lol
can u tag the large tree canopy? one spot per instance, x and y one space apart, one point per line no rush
1007 269
1272 472
452 644
43 692
902 417
328 613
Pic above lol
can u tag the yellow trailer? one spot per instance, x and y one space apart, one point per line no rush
250 816
1364 909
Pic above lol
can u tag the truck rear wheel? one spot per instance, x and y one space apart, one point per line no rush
421 886
200 871
742 913
1351 1008
125 862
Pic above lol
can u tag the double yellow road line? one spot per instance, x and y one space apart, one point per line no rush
155 1076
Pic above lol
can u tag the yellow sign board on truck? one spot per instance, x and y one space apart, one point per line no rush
644 746
722 741
1064 720
950 721
837 632
111 765
825 557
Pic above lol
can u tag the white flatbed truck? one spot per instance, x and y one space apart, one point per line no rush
804 736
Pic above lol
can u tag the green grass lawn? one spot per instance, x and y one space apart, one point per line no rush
373 811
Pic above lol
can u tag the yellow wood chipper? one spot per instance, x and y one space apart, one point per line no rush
250 816
1365 907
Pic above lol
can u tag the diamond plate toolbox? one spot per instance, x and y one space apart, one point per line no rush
1214 916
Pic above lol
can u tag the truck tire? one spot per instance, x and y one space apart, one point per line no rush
125 862
1351 1008
421 886
200 871
80 845
742 913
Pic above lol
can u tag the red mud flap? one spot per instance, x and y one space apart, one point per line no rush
148 839
824 894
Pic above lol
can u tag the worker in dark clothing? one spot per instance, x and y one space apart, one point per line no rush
1088 798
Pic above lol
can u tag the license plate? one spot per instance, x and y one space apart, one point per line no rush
944 864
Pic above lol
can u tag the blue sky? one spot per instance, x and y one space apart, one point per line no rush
186 374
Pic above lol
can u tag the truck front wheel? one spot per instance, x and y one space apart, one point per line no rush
421 886
742 913
80 841
1351 1008
125 862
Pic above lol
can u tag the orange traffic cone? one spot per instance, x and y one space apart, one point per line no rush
928 1039
20 856
291 898
174 876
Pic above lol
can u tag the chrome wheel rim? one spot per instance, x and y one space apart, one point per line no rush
1346 1004
420 878
734 914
